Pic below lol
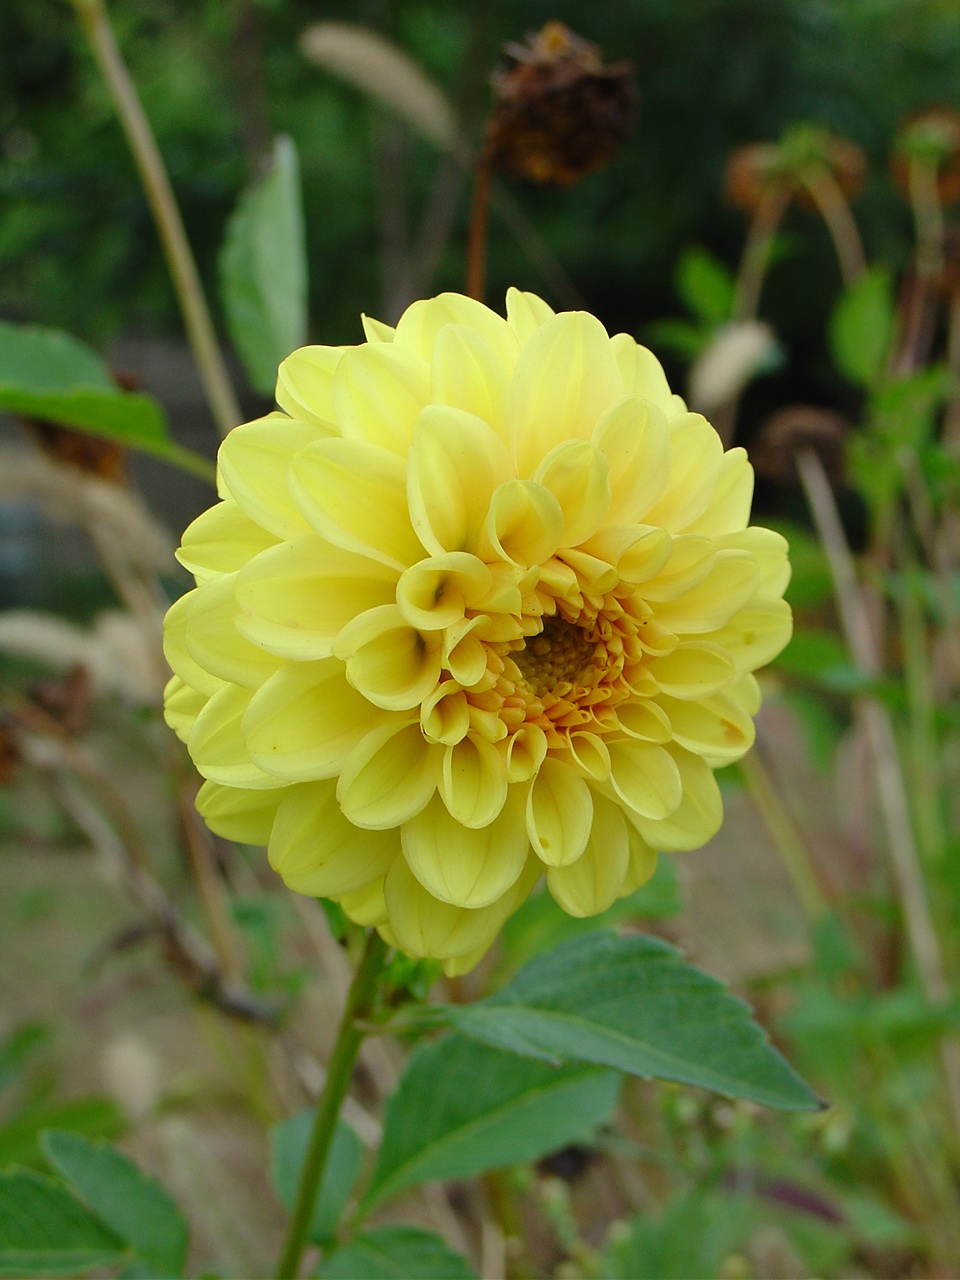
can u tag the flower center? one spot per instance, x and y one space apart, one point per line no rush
559 654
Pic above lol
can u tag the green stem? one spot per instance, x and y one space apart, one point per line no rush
350 1037
186 280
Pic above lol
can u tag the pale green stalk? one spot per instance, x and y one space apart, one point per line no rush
153 174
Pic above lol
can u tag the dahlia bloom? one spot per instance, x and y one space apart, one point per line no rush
478 605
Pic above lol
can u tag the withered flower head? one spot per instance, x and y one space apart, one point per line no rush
9 749
932 137
792 164
559 113
789 431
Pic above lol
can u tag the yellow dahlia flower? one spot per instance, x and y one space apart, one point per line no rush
479 605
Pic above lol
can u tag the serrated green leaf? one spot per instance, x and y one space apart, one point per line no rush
20 1136
861 327
462 1108
45 1231
396 1253
706 285
288 1145
263 270
47 374
131 1204
632 1003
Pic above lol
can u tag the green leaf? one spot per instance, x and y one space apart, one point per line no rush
682 337
263 270
396 1253
131 1204
288 1144
540 924
20 1136
862 326
462 1108
47 374
44 1231
706 286
633 1004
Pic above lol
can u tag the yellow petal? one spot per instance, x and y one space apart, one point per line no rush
473 782
465 867
318 852
388 777
435 593
366 906
464 653
634 438
468 373
525 753
456 463
696 453
304 381
565 380
591 756
595 880
213 641
254 460
181 706
643 862
694 669
697 817
643 375
637 551
559 813
423 322
755 635
391 663
238 814
378 392
770 550
645 777
297 596
217 747
305 720
645 720
355 495
691 559
221 540
526 313
445 714
715 728
729 508
175 650
729 585
376 330
524 525
575 472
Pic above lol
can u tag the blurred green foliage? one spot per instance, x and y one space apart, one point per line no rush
220 80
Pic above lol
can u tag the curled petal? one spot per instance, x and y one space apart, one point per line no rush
575 472
524 524
559 813
646 778
388 777
181 706
716 728
238 814
596 879
217 747
465 867
697 817
392 664
693 669
434 593
473 782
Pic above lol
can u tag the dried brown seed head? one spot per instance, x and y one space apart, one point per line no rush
789 431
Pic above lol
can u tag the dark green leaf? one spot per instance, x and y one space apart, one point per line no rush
44 1231
861 328
133 1205
706 286
263 270
462 1108
632 1003
289 1146
682 337
20 1135
50 375
396 1253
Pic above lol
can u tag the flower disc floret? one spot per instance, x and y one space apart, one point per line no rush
479 604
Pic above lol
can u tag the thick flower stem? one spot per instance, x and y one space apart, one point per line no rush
183 270
349 1039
